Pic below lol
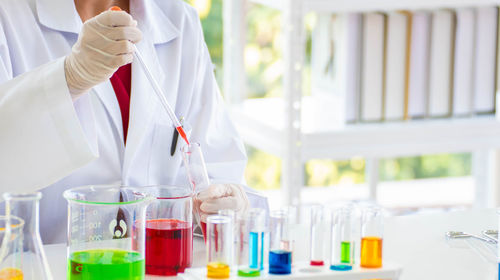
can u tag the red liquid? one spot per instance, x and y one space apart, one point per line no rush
182 134
204 230
169 246
317 263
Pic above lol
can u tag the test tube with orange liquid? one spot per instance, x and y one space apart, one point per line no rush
371 237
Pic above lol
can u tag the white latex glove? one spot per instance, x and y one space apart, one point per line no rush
221 196
104 44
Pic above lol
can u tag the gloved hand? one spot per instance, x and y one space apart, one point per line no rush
221 196
104 44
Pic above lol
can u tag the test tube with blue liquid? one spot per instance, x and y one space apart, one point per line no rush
342 241
256 225
280 255
317 235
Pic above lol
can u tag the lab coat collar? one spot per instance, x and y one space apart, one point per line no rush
62 15
59 15
153 21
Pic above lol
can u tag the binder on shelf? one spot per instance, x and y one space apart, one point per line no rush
373 68
349 62
326 77
441 63
396 60
418 89
464 63
497 81
485 59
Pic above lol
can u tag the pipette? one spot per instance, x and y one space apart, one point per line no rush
157 89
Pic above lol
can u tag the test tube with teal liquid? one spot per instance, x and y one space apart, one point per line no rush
251 243
280 255
256 225
342 241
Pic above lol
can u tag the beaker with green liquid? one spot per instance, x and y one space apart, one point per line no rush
106 233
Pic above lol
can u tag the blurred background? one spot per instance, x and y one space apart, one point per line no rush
405 184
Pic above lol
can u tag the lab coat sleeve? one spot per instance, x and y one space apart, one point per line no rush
222 147
42 137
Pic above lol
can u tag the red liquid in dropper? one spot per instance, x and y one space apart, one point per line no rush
169 246
182 134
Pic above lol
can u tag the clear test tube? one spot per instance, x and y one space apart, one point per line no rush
234 220
342 241
196 170
317 235
280 255
256 226
219 246
371 237
292 225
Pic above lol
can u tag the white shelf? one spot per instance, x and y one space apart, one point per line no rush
335 6
260 125
304 271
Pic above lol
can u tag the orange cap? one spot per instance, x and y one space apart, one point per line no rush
115 8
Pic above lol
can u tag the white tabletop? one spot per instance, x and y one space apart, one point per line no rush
415 242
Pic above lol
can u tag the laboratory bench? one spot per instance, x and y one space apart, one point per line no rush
417 243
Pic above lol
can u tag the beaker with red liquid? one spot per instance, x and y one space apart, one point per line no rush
169 230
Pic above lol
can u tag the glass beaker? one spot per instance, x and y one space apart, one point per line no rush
169 230
11 248
106 233
219 246
26 207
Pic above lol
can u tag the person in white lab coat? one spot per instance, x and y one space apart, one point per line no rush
60 122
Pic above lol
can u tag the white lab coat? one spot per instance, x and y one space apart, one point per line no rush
49 142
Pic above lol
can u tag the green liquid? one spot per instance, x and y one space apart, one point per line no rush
106 265
345 252
249 272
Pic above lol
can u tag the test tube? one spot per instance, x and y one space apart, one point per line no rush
234 220
371 237
219 246
194 162
342 241
280 255
242 252
256 225
317 235
292 224
196 170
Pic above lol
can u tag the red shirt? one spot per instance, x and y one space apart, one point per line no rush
121 81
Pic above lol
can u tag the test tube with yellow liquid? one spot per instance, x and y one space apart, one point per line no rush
219 246
371 237
342 241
